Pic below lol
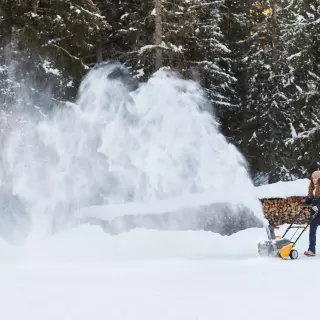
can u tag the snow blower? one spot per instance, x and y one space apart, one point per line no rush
284 247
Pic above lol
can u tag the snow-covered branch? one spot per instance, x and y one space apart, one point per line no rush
205 4
68 54
96 15
304 135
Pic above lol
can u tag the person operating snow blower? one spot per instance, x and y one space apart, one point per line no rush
313 198
285 245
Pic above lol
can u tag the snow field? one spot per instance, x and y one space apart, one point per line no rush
86 274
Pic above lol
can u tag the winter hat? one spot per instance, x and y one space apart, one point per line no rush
315 174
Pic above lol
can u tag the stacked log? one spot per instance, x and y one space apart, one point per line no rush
280 211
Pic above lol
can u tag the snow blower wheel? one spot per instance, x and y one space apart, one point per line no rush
294 254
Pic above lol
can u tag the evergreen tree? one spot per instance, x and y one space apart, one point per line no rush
51 43
208 47
257 59
131 36
236 27
182 35
263 121
301 29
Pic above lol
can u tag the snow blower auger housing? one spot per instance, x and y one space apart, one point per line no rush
285 247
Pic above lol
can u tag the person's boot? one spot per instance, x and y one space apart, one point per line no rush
309 253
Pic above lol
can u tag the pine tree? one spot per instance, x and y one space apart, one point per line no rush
182 35
213 53
301 29
236 28
66 30
263 121
131 36
51 43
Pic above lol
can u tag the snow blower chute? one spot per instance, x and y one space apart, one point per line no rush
284 247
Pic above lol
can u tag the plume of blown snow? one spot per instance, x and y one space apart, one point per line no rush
121 144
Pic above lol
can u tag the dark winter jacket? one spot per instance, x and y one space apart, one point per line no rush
313 196
313 201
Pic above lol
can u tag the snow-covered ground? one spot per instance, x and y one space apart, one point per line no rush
87 274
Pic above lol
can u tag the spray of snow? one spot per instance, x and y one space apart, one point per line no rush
125 149
120 144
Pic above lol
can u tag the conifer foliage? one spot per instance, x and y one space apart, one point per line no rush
49 40
301 33
258 61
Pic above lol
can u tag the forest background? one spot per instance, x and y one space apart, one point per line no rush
258 62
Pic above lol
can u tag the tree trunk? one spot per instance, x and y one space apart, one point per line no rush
158 35
274 28
99 53
35 5
6 29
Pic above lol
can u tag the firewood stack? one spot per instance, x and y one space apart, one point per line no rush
280 211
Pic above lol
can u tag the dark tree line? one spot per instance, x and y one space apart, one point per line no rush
257 60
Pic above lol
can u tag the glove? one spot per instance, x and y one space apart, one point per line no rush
314 211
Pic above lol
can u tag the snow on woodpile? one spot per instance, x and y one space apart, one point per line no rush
297 188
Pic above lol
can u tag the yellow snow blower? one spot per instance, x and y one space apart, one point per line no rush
283 247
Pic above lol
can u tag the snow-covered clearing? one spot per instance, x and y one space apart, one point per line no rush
86 274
